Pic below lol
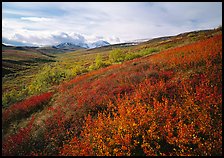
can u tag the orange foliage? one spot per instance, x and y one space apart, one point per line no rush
166 113
166 104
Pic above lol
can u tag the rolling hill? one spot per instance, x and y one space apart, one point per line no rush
15 59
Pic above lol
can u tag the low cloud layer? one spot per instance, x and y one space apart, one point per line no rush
35 19
54 39
49 23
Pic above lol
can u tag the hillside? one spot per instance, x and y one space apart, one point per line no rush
15 59
162 97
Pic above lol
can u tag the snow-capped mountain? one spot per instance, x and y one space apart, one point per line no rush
70 45
99 43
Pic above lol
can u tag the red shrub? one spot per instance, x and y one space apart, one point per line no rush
24 108
18 144
165 104
165 114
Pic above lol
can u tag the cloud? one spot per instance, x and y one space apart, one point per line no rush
114 22
65 37
35 19
15 43
55 38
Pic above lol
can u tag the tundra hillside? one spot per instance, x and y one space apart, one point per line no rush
162 97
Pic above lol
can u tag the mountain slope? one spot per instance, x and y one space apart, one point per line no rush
68 45
76 46
166 102
145 96
16 59
99 43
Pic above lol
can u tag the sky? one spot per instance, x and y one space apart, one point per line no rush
51 23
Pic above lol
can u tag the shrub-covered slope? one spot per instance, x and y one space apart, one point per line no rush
166 103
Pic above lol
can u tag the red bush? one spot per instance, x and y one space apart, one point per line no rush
176 110
22 109
18 144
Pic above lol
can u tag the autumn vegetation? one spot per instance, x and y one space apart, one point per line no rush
166 113
152 101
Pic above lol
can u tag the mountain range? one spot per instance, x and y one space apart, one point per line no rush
79 45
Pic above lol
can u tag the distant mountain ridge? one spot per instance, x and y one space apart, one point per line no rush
72 45
99 43
69 45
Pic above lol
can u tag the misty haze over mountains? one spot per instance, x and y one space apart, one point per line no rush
58 40
65 41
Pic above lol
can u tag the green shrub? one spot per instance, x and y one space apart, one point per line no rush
92 67
130 56
149 51
9 98
13 96
98 63
47 77
75 70
116 55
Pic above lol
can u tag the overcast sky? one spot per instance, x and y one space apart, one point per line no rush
50 23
